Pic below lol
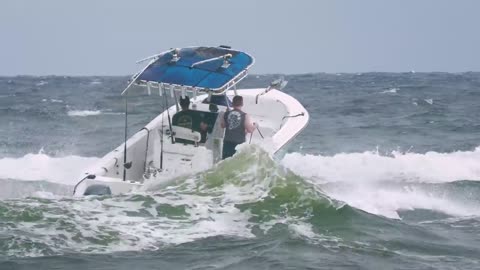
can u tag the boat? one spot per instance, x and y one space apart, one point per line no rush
163 150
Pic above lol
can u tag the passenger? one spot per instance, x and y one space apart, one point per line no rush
190 119
213 108
237 124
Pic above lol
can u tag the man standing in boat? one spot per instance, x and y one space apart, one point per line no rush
237 124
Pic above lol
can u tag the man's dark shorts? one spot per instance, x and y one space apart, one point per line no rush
228 149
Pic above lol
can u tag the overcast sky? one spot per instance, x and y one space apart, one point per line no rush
95 37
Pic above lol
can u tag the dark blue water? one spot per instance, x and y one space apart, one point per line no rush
386 176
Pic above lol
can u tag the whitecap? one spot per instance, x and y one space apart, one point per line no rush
387 200
369 166
384 185
83 113
41 83
32 167
390 91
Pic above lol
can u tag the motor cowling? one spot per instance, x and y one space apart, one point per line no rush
98 190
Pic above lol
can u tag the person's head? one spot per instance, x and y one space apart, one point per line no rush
237 101
212 107
184 102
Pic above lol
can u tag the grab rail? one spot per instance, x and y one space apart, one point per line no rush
146 149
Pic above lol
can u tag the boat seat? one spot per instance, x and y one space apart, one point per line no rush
186 135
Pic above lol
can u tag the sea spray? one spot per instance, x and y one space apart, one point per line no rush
431 167
244 196
40 166
386 185
431 221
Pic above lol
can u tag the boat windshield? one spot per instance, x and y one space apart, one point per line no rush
219 100
194 120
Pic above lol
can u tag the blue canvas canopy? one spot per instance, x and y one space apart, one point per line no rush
213 69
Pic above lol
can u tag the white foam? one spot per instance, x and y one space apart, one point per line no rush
83 113
383 185
40 83
370 166
390 91
213 212
45 195
65 170
207 215
429 101
302 230
368 181
385 200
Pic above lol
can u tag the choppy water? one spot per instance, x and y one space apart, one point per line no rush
386 176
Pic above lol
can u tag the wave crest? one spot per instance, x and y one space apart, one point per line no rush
431 167
247 196
83 113
388 185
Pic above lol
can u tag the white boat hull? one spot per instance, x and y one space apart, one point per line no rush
280 117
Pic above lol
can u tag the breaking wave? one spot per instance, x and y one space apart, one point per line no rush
386 185
31 167
390 91
83 113
247 196
242 197
370 166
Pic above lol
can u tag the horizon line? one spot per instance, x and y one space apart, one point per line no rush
251 74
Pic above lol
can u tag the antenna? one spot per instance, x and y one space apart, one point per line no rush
226 60
175 56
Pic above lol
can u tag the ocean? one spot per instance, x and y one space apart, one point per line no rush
385 176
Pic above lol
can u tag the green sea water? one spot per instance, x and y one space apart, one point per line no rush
385 176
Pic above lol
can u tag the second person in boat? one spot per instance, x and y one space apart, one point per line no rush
190 119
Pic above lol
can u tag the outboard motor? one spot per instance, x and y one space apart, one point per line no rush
97 190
